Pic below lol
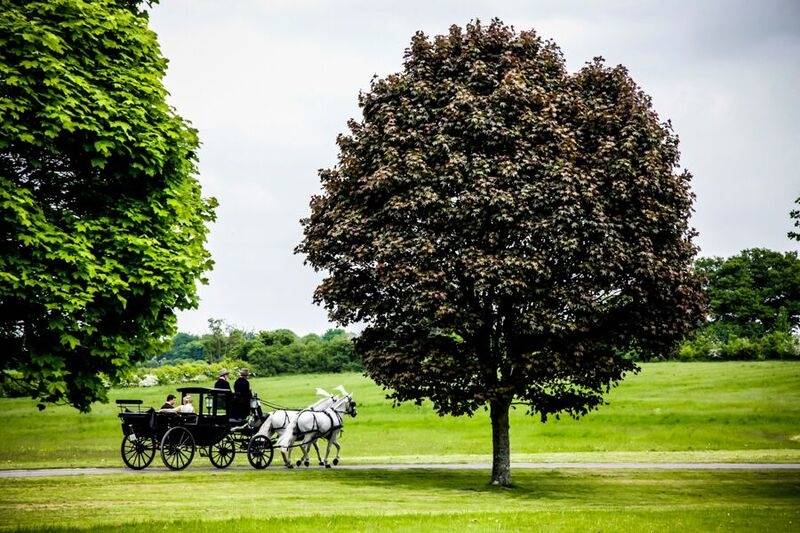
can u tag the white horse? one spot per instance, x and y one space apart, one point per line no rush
281 421
327 424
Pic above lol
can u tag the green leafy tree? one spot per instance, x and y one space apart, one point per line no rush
215 341
184 346
795 215
333 333
753 293
102 222
506 230
280 337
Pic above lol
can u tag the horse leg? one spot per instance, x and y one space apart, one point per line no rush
305 447
287 461
319 458
335 442
328 452
286 452
308 443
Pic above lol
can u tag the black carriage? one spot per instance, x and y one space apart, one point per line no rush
215 430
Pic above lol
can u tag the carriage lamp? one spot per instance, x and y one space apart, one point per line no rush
209 401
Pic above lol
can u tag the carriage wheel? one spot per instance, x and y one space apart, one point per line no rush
137 453
177 448
259 452
222 453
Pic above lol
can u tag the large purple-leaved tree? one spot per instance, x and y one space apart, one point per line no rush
508 231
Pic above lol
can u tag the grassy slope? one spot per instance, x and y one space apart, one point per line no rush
670 411
407 500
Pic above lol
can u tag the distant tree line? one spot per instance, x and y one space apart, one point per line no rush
753 308
753 314
267 353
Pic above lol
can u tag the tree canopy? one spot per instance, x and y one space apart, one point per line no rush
102 222
506 230
267 352
754 292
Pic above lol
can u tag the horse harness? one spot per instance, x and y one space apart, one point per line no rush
335 424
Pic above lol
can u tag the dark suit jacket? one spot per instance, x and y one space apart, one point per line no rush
222 384
242 389
241 398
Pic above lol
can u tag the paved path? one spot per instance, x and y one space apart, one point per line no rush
50 472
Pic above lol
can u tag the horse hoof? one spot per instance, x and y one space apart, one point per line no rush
299 463
289 466
336 461
321 463
306 463
327 466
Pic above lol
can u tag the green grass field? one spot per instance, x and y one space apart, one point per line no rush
741 412
668 412
408 500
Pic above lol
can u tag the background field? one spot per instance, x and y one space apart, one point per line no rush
670 411
745 412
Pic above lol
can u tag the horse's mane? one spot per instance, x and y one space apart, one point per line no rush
323 400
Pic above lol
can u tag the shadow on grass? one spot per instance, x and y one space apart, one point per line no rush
622 487
549 485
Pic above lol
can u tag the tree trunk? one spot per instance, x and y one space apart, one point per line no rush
501 446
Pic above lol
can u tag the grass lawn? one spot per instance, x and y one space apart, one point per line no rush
746 412
406 500
668 412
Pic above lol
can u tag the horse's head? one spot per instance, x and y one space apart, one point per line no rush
350 406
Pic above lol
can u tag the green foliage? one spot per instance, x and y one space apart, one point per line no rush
708 344
13 385
754 308
102 221
267 353
183 347
795 214
753 292
195 371
282 352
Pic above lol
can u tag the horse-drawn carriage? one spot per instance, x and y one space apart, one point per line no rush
217 432
213 431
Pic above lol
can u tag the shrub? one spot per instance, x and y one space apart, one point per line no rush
741 348
149 380
780 345
189 372
12 385
712 343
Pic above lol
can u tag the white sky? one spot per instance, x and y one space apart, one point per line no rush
269 85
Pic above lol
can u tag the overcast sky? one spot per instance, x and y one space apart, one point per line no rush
269 85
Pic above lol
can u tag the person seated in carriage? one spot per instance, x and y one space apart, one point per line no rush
185 407
170 402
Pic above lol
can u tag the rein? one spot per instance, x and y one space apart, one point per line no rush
275 407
